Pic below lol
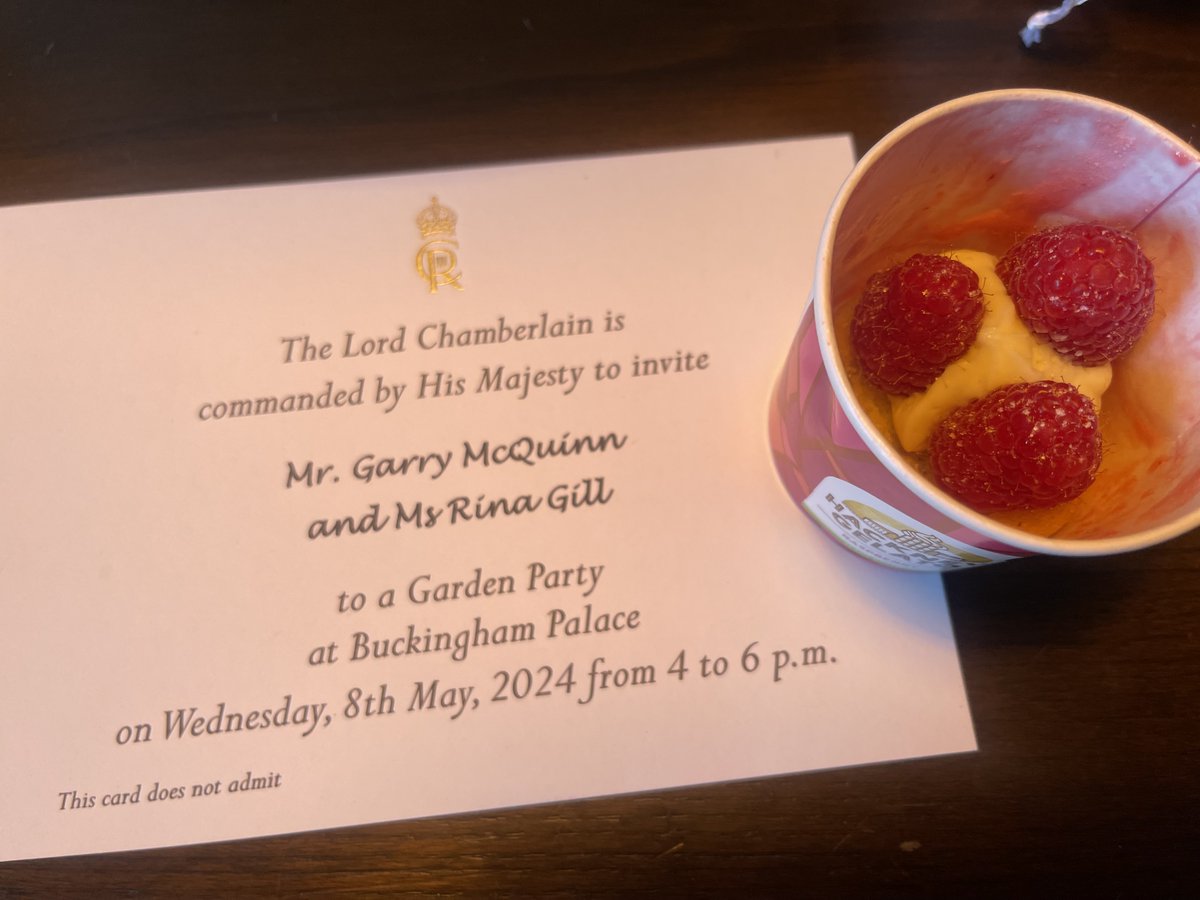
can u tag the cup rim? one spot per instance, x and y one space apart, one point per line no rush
879 445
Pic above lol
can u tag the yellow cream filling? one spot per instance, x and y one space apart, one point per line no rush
1005 352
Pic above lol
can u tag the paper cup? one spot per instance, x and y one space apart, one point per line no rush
978 172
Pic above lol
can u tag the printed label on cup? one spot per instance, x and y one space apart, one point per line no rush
882 533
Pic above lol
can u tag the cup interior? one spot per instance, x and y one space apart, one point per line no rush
978 173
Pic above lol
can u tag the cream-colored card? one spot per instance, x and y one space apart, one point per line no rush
332 503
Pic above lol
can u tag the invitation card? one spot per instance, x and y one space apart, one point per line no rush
364 500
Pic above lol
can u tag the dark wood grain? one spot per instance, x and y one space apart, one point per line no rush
1083 675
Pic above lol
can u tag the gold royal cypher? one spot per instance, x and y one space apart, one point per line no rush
437 260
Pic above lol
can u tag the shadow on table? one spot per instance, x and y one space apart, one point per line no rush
1054 599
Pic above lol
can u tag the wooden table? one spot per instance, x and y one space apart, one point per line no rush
1084 676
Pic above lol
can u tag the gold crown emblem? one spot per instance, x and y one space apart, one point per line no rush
436 219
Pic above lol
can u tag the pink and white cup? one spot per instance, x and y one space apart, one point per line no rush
979 172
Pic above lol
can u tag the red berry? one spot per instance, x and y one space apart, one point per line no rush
1086 289
914 320
1023 446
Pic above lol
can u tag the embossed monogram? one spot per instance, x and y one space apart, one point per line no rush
437 260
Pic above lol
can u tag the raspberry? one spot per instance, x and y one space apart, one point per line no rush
1023 446
1086 289
914 320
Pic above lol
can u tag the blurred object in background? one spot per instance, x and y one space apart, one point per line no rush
1032 32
